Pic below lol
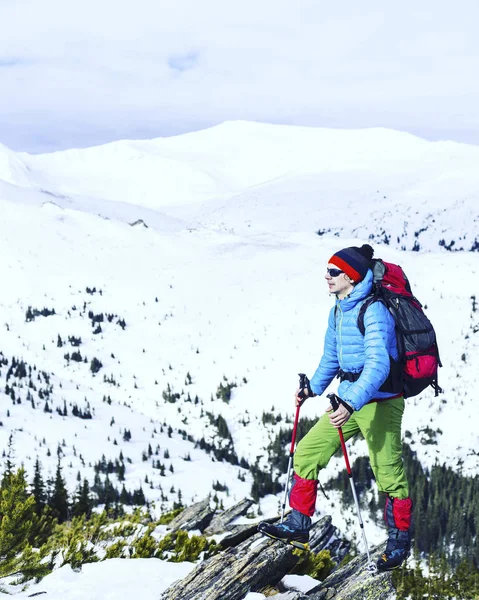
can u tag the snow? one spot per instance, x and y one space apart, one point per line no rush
299 583
292 583
225 280
147 578
112 579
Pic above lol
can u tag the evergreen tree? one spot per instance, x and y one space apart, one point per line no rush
17 520
16 510
9 459
83 503
139 497
111 494
58 500
38 489
125 496
465 582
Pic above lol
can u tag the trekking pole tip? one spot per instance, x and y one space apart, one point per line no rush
372 568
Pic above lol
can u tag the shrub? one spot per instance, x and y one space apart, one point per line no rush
95 365
318 566
224 391
169 516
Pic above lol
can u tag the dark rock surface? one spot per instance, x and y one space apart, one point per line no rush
355 582
221 521
230 575
251 562
196 516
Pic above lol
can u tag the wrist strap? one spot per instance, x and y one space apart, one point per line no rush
347 406
336 400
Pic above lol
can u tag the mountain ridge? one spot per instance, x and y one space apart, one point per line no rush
395 188
225 293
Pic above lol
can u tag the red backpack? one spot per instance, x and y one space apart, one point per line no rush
416 339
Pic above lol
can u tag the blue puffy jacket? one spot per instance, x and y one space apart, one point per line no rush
346 348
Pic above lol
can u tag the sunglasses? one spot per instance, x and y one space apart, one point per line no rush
334 272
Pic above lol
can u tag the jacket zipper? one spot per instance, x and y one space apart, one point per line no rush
340 333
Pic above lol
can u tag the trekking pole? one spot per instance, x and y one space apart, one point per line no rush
335 404
303 383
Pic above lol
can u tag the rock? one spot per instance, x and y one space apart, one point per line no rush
323 536
138 222
355 582
196 516
221 522
238 534
231 575
252 563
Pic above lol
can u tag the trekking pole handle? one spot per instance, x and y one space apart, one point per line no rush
303 383
333 400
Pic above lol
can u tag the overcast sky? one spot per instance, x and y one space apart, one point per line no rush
83 72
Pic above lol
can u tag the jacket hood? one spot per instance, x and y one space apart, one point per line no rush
361 290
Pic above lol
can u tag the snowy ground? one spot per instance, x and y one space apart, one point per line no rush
113 579
226 281
121 579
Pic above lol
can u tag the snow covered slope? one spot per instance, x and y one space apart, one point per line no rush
396 188
224 285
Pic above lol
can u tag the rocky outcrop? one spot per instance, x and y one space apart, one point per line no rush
355 582
196 516
230 575
251 562
324 535
222 522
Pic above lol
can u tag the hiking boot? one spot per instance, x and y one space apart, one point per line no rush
293 530
397 550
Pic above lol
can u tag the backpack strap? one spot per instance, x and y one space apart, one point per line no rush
362 311
394 379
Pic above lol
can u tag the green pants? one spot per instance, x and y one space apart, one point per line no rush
380 424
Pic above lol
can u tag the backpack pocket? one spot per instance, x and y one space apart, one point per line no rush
421 364
420 372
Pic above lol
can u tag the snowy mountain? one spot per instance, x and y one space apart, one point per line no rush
139 276
397 189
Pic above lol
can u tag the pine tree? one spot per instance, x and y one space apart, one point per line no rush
38 489
9 458
16 510
125 496
139 497
17 521
109 495
465 582
58 501
83 503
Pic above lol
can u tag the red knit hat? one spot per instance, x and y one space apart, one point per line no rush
354 261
